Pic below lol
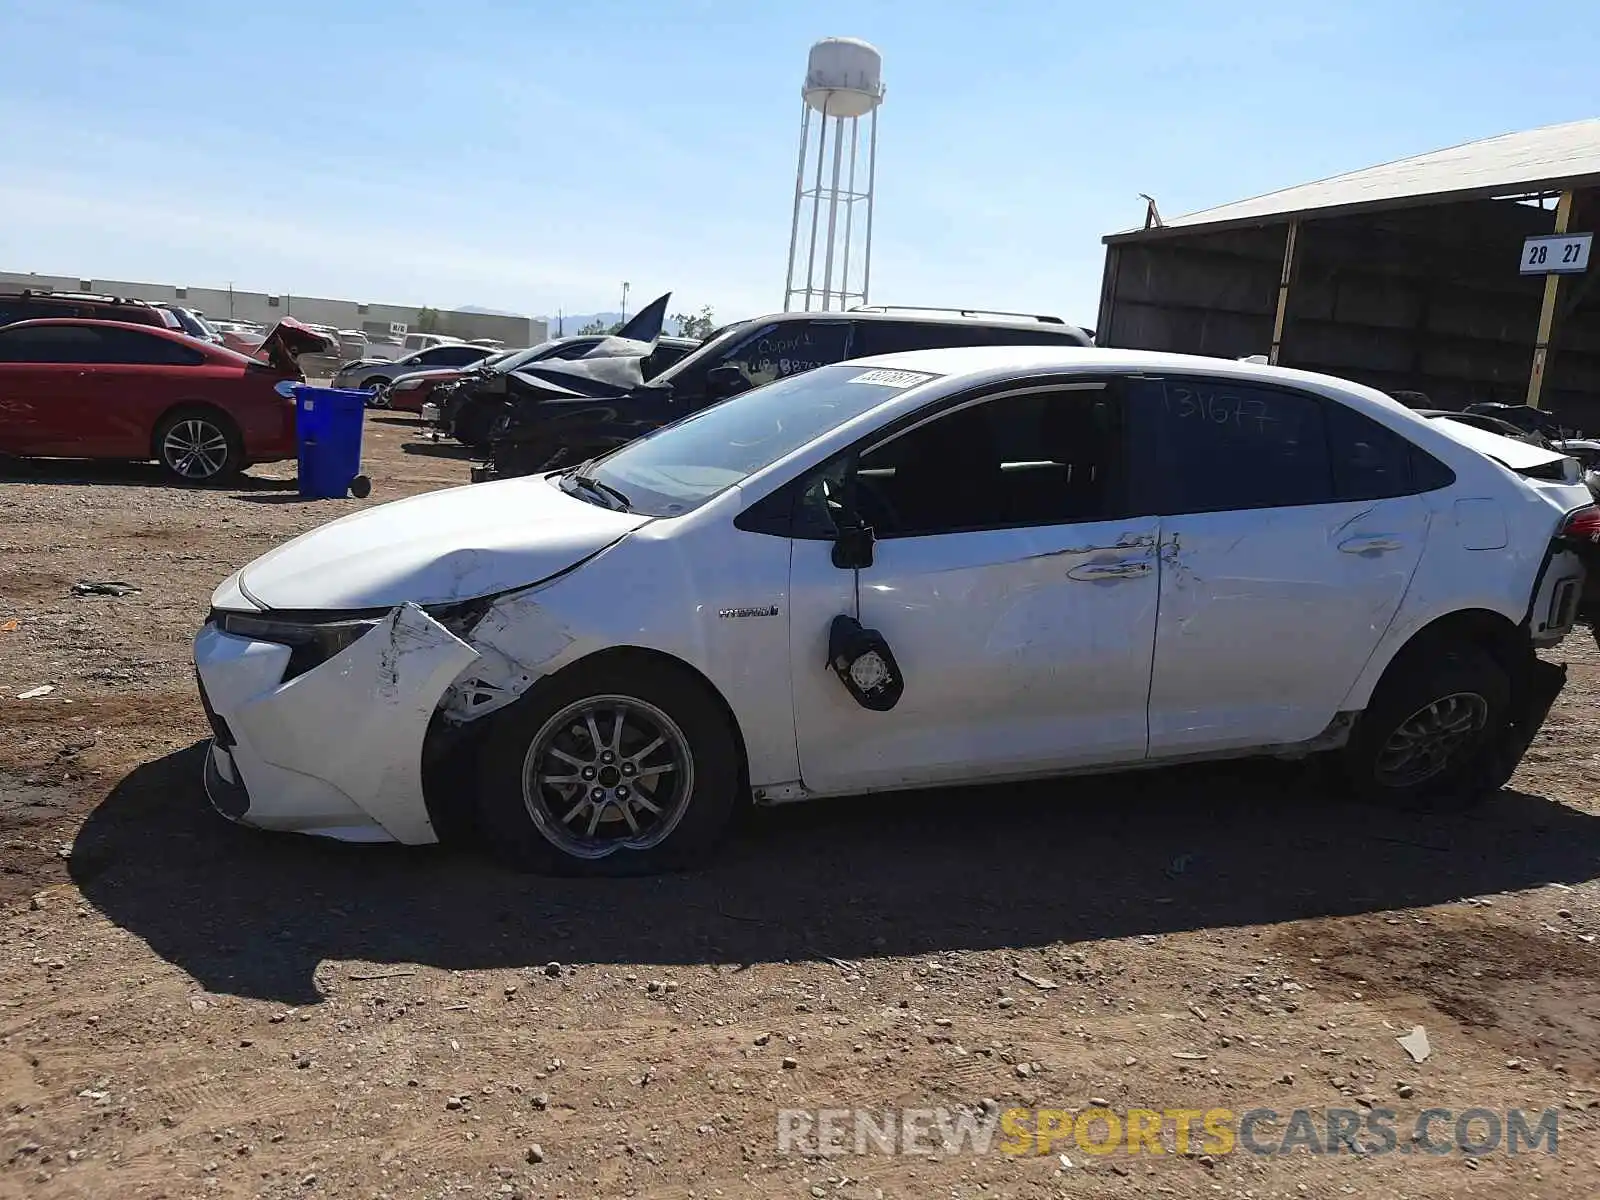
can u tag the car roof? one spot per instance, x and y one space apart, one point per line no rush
916 316
176 335
96 323
963 366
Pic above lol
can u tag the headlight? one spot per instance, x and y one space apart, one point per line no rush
311 643
407 385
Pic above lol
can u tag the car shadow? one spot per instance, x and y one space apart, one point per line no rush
121 473
254 914
439 450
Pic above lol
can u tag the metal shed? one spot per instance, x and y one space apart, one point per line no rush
1409 276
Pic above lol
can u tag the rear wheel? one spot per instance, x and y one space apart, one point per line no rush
623 767
198 445
1428 740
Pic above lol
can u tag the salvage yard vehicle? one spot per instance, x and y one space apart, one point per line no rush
409 392
373 374
32 305
959 566
550 418
108 389
469 410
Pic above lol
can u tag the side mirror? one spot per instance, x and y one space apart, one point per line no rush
854 539
862 660
725 381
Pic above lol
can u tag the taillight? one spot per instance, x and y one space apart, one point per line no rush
1582 524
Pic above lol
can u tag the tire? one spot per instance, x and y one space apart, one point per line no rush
693 773
198 445
375 384
1462 693
473 424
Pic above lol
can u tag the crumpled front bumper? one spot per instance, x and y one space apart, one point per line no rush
336 751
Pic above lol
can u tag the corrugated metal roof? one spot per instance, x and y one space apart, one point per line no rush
1535 160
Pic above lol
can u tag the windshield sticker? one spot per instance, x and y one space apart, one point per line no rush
884 377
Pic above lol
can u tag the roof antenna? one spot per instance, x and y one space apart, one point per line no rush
1152 215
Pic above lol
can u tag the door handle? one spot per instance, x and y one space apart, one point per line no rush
1122 568
1377 543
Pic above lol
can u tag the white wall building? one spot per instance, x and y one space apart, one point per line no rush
375 320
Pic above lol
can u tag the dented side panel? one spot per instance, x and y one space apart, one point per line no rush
712 597
1269 615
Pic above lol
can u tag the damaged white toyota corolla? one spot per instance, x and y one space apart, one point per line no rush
952 566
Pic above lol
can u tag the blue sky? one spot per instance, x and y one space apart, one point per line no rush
524 156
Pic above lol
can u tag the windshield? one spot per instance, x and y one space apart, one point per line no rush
681 466
709 350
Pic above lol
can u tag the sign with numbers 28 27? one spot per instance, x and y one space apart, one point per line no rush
1556 254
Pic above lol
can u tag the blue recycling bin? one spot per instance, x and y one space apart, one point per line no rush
328 425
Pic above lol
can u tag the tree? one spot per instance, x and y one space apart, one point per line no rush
696 325
429 321
594 327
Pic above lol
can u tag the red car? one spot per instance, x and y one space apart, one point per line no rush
108 389
412 390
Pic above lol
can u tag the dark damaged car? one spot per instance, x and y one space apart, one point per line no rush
558 413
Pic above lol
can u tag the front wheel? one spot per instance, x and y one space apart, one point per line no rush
621 767
1429 738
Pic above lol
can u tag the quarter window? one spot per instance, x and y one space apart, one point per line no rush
1369 461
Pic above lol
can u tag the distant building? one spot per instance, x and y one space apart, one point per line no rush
1441 274
223 304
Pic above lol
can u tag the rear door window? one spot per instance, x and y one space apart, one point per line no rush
1215 445
893 337
454 356
129 348
1040 334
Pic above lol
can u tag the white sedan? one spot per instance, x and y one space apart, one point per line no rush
945 567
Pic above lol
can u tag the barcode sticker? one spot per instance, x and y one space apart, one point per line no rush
884 377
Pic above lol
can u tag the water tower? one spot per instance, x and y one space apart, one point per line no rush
844 82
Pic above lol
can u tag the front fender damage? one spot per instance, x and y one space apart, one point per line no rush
516 641
362 724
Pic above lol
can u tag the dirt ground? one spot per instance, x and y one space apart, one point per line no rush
191 1009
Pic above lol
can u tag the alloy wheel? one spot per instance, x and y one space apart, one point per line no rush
1426 742
195 448
607 773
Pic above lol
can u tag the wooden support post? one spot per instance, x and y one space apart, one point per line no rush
1290 240
1547 310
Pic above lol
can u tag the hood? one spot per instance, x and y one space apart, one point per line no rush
438 547
435 373
594 378
288 340
645 325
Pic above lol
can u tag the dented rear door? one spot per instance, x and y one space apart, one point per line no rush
1274 591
